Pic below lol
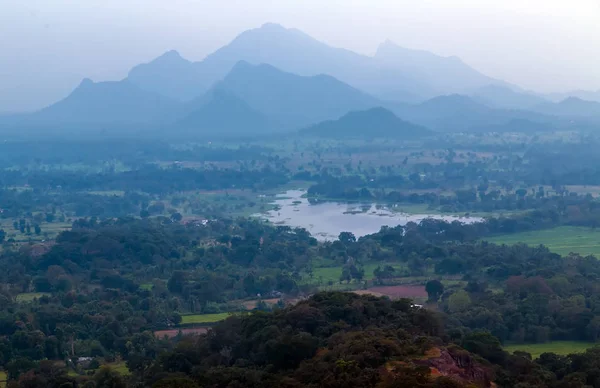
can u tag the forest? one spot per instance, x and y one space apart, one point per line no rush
144 264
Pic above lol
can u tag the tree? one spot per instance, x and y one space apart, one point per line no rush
347 237
2 235
105 377
175 382
434 289
37 229
459 301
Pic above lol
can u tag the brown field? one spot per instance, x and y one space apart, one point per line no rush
396 292
173 332
251 304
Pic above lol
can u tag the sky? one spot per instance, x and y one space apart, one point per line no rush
48 46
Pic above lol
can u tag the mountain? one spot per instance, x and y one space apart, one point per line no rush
290 100
393 74
372 123
458 113
169 75
497 96
221 113
106 103
441 75
571 107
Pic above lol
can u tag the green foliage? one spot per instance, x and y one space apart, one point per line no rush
106 377
459 301
434 289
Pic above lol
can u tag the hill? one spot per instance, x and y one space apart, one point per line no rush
329 340
290 100
571 107
497 96
587 95
372 123
221 113
104 104
459 113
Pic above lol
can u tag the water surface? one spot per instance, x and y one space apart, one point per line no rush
326 220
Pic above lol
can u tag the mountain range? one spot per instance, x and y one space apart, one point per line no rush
393 73
273 79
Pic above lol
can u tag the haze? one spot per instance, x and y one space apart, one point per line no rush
48 46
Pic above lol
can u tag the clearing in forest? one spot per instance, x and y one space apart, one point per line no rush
562 240
558 347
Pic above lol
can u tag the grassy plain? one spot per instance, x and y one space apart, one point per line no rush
327 274
203 318
30 296
120 367
3 377
558 347
561 240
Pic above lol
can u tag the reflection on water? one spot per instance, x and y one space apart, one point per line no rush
326 220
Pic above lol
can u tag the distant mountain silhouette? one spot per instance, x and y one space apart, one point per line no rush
571 107
497 96
169 75
221 113
458 113
372 123
441 75
587 95
394 73
106 103
519 125
290 100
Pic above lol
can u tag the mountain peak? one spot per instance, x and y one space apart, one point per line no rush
272 26
86 82
170 57
171 54
573 100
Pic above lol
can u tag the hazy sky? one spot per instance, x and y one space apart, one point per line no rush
48 46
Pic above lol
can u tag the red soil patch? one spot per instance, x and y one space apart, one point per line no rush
252 304
173 332
396 292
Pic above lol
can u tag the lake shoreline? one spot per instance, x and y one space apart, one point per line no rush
325 219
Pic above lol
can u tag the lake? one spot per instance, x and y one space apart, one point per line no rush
326 220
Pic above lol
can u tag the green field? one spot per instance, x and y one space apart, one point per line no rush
120 367
3 378
326 274
203 318
562 240
30 296
558 347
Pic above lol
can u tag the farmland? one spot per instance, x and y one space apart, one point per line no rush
30 296
558 347
203 318
562 240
